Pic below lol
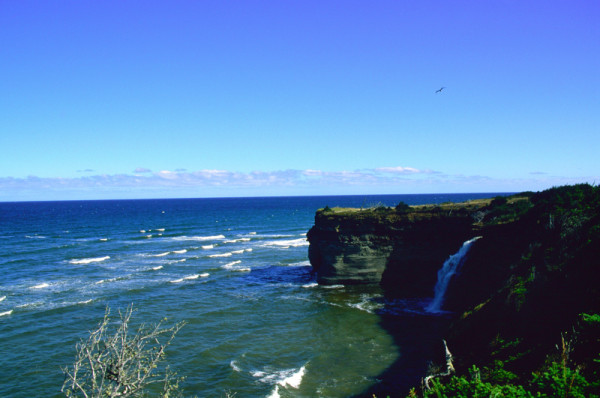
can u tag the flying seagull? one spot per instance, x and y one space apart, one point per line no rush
440 90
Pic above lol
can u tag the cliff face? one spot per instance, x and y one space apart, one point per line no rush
401 251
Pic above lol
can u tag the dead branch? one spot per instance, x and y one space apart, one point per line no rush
449 368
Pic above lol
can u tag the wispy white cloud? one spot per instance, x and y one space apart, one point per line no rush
141 170
399 169
216 182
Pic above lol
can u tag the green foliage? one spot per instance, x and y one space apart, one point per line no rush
560 381
591 319
502 210
467 387
402 208
499 201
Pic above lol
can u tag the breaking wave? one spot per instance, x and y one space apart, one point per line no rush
89 260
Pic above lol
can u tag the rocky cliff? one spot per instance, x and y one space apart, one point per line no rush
400 249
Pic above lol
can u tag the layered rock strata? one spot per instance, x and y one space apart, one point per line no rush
402 251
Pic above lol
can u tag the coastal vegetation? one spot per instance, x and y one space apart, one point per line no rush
527 322
525 303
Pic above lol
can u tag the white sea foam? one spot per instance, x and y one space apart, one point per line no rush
179 261
2 298
295 379
231 264
103 239
35 237
40 286
221 255
85 302
237 240
251 233
148 236
207 247
286 243
234 366
300 264
157 268
284 378
275 393
190 277
245 269
198 238
143 231
160 229
106 280
6 313
161 254
237 252
309 285
89 260
180 251
333 286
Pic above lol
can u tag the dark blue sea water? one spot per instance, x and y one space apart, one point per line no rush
234 269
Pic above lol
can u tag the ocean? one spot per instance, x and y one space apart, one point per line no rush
235 269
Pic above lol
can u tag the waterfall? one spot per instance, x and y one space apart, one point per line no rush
449 268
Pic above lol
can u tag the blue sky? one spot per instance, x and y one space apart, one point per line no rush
148 99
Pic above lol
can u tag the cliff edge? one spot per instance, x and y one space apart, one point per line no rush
401 249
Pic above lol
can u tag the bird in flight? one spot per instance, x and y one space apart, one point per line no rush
440 90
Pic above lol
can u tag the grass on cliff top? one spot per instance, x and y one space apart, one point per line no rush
474 204
498 210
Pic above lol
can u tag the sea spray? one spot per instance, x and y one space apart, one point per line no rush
450 267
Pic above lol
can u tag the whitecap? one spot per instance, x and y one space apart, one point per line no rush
160 229
161 254
148 236
40 286
237 252
143 231
103 239
101 281
234 366
180 251
299 264
295 379
287 243
275 393
207 247
190 277
85 302
246 269
251 233
248 250
237 240
283 378
197 238
178 261
157 268
333 286
89 260
2 298
6 313
310 285
35 237
221 255
231 264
